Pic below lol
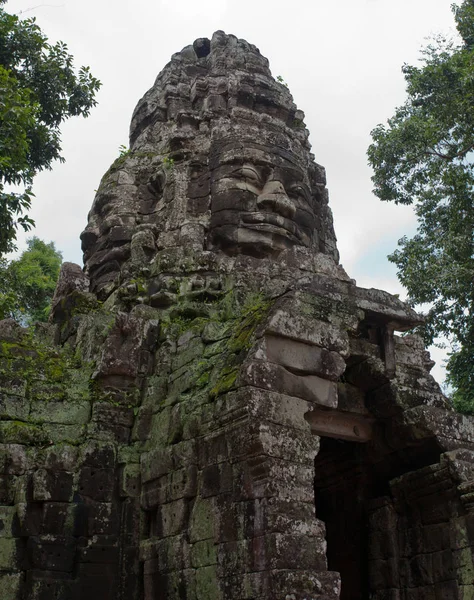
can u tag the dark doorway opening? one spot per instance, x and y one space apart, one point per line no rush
343 487
348 477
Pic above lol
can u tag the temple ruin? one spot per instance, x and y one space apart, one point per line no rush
216 411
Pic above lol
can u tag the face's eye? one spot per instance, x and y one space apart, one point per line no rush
299 191
250 173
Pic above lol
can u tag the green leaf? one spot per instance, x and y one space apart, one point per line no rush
424 156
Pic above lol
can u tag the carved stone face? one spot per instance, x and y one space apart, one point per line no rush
261 202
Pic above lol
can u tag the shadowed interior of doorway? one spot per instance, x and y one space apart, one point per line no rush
349 478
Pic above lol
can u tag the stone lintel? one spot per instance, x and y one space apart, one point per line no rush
340 425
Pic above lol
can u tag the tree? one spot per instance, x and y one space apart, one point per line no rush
27 284
425 157
39 89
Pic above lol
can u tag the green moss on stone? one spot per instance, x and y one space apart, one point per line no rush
10 586
20 432
207 585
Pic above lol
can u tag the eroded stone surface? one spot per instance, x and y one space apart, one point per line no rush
218 411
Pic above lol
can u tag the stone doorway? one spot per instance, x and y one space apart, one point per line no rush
343 488
351 480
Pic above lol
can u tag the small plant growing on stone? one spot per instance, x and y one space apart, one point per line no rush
168 163
124 151
281 80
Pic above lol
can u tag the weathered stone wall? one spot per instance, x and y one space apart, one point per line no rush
216 410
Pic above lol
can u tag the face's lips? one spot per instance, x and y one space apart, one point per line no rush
274 220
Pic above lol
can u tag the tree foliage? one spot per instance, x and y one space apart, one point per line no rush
27 284
39 89
425 156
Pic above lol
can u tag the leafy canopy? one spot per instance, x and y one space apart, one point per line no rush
425 157
39 89
27 284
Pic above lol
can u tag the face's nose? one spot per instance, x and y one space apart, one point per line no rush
275 199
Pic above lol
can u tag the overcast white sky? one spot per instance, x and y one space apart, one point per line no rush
340 58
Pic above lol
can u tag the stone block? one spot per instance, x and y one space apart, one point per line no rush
367 375
237 557
172 518
168 585
104 413
351 398
10 586
7 489
156 391
154 493
265 477
253 438
108 431
203 553
215 332
97 454
102 518
30 518
270 406
13 459
464 565
45 585
182 483
465 592
207 584
8 522
20 432
64 413
323 585
435 508
447 589
290 551
49 485
130 481
187 353
57 518
442 566
164 423
153 581
141 431
61 458
12 407
156 463
383 574
97 484
22 488
381 546
421 568
100 549
216 479
304 328
65 434
213 449
247 586
304 359
436 537
97 581
52 553
276 378
11 554
172 553
204 518
277 515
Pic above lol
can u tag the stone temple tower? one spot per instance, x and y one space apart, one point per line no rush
216 411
